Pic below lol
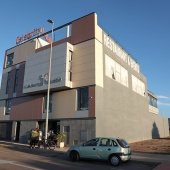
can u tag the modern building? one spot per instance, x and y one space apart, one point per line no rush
96 87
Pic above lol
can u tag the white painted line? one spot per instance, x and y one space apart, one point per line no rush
4 162
25 166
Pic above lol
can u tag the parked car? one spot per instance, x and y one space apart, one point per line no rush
114 150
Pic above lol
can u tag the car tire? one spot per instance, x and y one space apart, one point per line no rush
74 156
115 160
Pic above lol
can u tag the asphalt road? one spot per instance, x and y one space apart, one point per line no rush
18 157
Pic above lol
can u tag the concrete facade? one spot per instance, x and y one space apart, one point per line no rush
97 89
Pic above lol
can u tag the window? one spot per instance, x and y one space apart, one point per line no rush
152 101
93 142
83 98
8 107
9 59
115 71
8 82
16 80
138 86
70 65
50 103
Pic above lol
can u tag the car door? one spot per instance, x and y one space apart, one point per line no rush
105 148
89 149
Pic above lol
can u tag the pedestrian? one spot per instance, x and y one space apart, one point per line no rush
50 134
40 135
34 138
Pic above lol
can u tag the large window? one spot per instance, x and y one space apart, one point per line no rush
138 86
16 80
152 101
83 98
8 82
115 71
10 58
8 107
50 103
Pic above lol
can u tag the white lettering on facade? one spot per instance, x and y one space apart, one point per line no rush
115 48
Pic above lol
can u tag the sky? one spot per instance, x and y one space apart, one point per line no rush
142 28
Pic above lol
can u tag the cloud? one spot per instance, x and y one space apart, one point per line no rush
163 97
163 104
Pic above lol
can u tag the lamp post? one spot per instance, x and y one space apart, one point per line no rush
49 78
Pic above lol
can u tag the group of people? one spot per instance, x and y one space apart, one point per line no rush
36 135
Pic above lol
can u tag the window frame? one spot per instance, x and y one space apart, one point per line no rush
45 103
83 102
16 80
10 58
8 107
8 83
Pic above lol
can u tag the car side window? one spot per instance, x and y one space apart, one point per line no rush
114 143
105 142
93 142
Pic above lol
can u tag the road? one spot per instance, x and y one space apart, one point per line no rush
20 157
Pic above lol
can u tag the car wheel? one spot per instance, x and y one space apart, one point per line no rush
114 160
74 156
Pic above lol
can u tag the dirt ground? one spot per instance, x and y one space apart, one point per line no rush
161 145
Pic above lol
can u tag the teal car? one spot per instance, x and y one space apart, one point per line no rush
114 150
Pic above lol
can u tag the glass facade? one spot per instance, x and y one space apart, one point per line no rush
10 58
83 98
8 82
50 103
16 80
8 107
152 101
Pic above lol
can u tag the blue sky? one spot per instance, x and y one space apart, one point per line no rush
142 28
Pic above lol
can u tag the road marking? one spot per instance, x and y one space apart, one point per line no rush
10 162
25 166
4 162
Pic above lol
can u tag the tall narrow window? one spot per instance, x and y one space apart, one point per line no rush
83 98
70 65
8 82
50 103
10 58
8 107
16 80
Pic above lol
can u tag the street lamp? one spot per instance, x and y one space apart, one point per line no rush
49 78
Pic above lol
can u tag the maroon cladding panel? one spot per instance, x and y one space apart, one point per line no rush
83 29
92 101
27 108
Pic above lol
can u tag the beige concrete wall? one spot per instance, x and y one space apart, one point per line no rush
2 109
64 104
22 51
98 33
153 109
83 65
98 63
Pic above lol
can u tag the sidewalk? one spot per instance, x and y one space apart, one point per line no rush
5 143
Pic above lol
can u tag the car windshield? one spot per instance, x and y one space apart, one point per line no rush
125 144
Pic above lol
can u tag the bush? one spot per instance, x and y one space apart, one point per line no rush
60 137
